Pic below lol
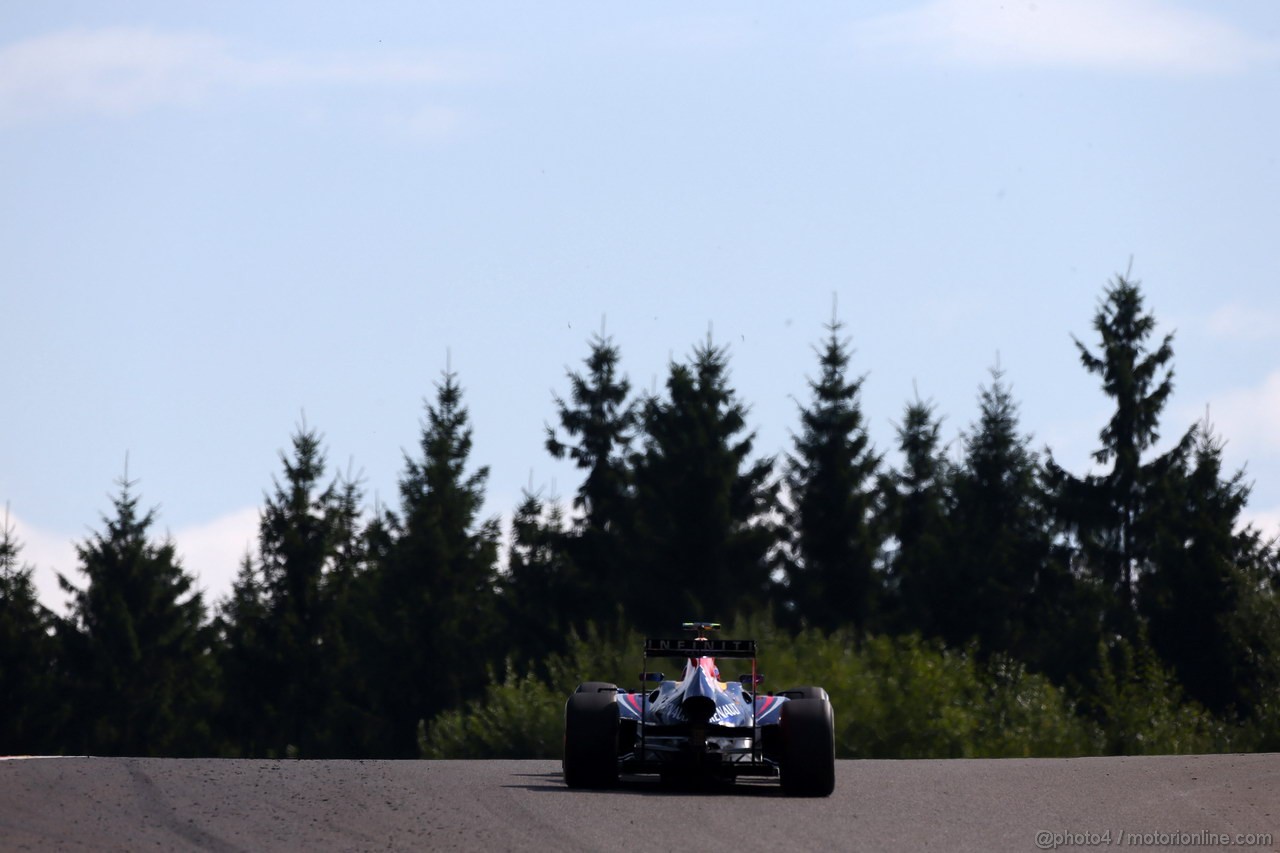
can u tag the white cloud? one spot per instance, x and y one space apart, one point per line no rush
48 553
692 33
1236 322
210 552
1249 418
425 124
1267 521
124 71
1109 35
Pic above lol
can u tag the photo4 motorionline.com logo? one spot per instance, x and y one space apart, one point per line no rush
1047 840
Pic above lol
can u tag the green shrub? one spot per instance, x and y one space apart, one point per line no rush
894 698
519 717
522 716
1141 710
904 697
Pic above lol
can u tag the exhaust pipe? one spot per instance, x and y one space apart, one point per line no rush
698 709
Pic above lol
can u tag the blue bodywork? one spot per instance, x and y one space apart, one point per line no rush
700 727
664 706
698 723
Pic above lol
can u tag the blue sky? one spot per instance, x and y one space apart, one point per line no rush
217 217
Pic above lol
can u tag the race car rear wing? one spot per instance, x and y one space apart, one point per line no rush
688 647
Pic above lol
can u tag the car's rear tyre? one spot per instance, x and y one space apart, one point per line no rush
596 687
808 766
805 693
591 738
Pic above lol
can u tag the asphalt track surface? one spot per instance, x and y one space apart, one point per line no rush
956 805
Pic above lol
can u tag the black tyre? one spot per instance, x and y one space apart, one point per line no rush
591 739
596 687
806 693
808 766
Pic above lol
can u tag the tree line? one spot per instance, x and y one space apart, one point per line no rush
350 631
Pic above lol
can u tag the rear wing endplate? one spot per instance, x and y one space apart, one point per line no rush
695 648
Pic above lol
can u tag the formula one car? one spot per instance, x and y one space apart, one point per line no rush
700 727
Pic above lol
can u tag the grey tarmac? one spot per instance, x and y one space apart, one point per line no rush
951 805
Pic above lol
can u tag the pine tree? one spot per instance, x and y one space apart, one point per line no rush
922 576
1111 514
543 599
1002 552
289 626
246 725
1197 597
701 539
28 657
294 546
438 583
348 633
600 419
289 637
830 562
138 644
1254 631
